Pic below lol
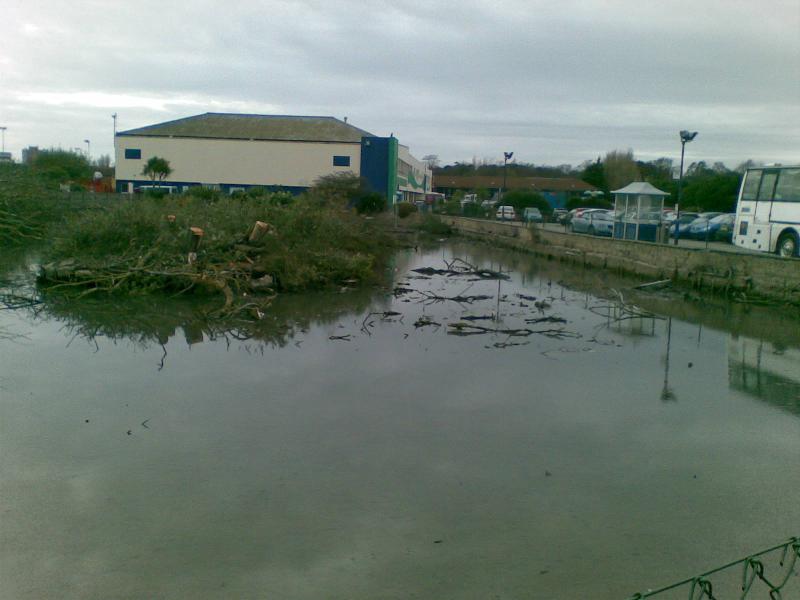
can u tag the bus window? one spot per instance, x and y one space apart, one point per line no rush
767 187
788 188
751 182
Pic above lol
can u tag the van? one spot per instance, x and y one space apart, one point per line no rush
505 213
532 215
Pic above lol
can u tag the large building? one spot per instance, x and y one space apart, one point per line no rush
556 190
234 152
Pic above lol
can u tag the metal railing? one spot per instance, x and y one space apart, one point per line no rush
753 571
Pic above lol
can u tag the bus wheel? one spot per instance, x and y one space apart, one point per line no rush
787 244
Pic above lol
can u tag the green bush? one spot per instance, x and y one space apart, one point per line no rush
60 165
203 193
370 203
434 226
405 208
473 210
522 199
311 247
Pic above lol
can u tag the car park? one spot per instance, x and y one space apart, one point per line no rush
505 213
532 215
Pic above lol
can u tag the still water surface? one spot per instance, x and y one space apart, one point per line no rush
147 454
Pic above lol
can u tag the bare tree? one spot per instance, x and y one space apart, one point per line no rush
620 168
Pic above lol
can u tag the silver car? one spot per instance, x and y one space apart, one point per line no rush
594 222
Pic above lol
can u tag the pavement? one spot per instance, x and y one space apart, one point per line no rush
682 243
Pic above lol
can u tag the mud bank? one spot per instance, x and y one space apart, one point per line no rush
740 275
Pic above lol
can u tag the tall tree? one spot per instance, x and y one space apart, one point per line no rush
157 168
620 168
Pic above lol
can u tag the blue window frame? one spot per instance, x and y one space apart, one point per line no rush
341 161
133 153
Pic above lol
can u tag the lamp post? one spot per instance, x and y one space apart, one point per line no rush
88 149
686 136
506 157
114 116
3 133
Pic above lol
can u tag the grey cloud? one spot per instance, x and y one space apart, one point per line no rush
456 80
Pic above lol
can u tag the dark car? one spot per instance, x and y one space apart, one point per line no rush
696 230
684 220
718 227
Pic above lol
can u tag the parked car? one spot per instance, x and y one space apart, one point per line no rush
532 215
707 228
583 212
594 222
683 221
559 214
506 213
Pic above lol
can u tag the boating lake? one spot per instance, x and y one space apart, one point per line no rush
350 446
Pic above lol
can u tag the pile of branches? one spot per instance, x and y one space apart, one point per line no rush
243 250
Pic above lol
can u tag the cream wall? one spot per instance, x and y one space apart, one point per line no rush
419 168
213 161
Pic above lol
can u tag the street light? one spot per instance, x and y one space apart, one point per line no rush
88 149
686 136
506 157
3 132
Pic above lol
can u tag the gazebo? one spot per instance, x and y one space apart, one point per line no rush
638 212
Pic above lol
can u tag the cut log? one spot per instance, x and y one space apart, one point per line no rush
259 230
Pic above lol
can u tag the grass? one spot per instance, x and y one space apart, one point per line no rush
30 204
142 244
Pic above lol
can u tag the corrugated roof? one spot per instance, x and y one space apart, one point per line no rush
539 184
640 187
255 127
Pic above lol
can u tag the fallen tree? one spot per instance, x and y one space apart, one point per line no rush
244 249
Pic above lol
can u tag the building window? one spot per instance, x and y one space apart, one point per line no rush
133 153
341 161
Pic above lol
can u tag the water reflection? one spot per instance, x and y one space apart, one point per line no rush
314 453
767 371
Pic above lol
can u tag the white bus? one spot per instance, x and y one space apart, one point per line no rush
768 212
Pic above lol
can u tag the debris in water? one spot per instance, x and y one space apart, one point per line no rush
425 321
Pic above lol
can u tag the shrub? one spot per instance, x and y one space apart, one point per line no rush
405 208
434 226
370 203
204 193
522 199
473 210
60 165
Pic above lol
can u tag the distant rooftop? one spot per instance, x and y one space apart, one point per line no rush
538 184
254 127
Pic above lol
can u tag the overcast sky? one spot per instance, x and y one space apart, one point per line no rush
555 82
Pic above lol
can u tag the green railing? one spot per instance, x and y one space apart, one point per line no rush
753 572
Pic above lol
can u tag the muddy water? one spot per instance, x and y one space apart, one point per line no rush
325 453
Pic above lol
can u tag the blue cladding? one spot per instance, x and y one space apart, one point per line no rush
122 186
341 161
375 163
133 153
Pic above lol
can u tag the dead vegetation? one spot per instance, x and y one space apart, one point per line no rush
244 249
